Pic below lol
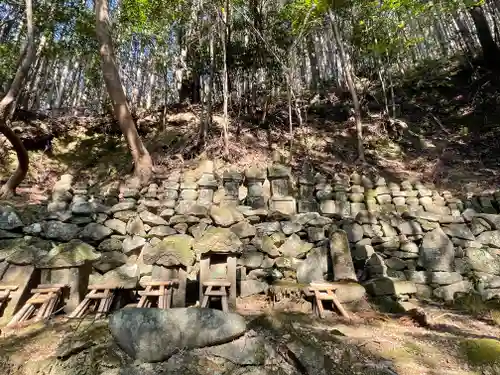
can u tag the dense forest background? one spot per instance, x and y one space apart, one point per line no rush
375 84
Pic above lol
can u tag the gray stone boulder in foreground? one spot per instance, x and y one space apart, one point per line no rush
153 335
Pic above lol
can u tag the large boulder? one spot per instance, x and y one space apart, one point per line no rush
171 251
154 335
437 252
483 260
218 240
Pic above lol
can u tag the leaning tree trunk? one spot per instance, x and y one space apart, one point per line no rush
143 166
6 106
350 85
491 51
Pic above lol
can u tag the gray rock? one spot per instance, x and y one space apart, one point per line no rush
171 251
409 247
343 267
110 260
71 254
294 247
350 292
386 286
395 263
362 251
161 231
459 231
135 226
218 240
437 251
153 335
152 219
289 227
410 228
354 232
117 225
479 225
314 266
197 230
111 244
251 259
55 230
252 287
490 238
248 350
483 260
448 292
225 216
125 215
316 234
33 229
126 276
131 244
82 208
9 219
444 278
267 228
492 219
95 232
489 281
123 206
243 229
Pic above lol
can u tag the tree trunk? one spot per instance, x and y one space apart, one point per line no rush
143 166
350 85
491 52
225 78
6 109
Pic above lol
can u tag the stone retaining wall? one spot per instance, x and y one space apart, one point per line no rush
395 239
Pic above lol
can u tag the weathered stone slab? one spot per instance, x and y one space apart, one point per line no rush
386 286
25 277
343 267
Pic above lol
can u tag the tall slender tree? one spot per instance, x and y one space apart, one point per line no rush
143 165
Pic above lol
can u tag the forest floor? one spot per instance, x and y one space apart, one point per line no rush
456 342
452 138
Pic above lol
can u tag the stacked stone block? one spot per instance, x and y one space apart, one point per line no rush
423 241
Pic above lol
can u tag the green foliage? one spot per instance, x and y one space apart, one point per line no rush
482 352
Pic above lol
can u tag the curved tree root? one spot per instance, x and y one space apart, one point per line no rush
9 188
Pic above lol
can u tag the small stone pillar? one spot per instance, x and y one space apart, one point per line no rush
281 201
218 249
69 263
343 266
231 181
255 178
207 184
170 259
170 190
307 202
76 278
